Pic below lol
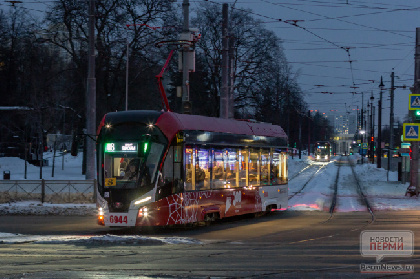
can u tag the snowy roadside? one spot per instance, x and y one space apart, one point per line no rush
383 190
382 194
37 208
11 238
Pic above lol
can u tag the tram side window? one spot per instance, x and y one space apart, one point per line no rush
265 167
253 169
218 169
231 162
202 169
189 173
275 168
168 166
284 171
243 169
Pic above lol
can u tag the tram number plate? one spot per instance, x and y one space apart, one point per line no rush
118 219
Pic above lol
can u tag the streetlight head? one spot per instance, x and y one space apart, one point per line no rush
381 85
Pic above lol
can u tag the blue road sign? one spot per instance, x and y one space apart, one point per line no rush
414 102
411 131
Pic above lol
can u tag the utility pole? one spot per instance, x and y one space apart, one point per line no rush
126 72
379 154
231 75
309 132
300 136
91 97
414 144
391 123
362 126
186 104
372 131
224 92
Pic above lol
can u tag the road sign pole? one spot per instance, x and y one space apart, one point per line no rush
415 146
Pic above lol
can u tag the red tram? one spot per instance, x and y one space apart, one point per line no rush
160 168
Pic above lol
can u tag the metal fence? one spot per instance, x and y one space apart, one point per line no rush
52 191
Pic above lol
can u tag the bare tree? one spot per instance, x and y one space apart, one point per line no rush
262 77
118 24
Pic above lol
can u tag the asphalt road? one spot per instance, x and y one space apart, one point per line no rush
282 245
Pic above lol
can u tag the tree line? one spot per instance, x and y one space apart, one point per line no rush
44 62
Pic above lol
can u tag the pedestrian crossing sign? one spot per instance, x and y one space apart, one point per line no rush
414 102
411 131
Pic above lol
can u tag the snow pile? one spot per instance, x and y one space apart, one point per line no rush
9 238
37 208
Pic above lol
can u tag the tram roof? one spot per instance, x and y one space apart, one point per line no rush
171 123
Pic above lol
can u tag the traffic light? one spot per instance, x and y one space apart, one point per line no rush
417 114
372 139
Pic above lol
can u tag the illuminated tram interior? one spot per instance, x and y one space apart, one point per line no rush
215 168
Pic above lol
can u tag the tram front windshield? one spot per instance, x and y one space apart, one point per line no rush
127 167
323 150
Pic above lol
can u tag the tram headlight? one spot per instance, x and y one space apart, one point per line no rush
318 157
326 156
143 200
142 212
101 216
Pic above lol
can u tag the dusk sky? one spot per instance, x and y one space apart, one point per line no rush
377 36
338 49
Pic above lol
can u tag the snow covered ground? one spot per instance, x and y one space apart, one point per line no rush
382 194
72 168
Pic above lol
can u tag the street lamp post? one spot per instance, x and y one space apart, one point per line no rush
379 153
372 131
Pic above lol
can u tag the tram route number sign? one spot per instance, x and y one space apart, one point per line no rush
111 147
110 182
411 131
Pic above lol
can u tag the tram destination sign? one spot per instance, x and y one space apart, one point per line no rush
120 147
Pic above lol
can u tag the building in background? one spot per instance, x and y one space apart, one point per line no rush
345 126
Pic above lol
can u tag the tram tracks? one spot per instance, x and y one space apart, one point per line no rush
359 189
302 171
320 167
